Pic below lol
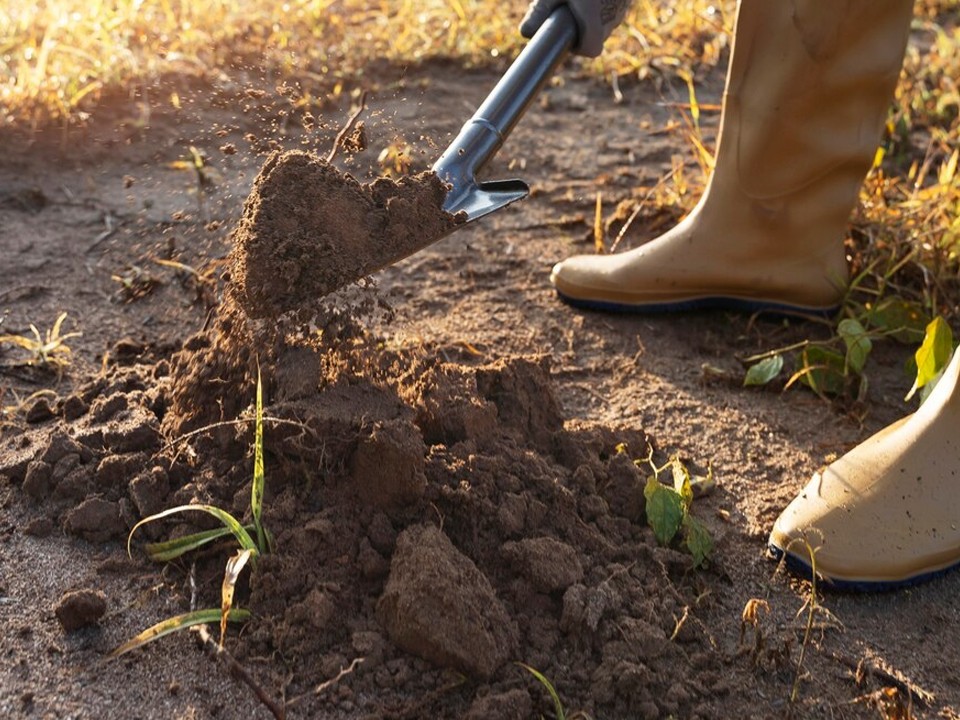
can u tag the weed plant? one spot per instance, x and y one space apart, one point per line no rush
47 350
253 540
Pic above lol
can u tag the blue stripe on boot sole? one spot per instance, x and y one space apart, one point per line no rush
707 303
799 567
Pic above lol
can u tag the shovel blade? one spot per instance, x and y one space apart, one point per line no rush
479 199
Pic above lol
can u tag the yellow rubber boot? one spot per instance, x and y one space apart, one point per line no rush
888 512
807 93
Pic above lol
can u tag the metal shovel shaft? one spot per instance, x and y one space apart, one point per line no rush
484 133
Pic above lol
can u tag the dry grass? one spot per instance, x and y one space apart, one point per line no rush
57 58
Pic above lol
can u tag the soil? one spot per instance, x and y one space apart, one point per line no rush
449 450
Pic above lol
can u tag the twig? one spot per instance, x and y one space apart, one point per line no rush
638 208
108 219
338 141
322 687
860 667
240 672
238 421
327 684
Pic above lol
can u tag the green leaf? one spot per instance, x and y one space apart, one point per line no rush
256 489
902 320
172 549
764 371
664 510
178 622
858 343
698 540
230 522
933 355
542 679
822 371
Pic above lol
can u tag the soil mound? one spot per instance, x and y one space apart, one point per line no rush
308 229
430 517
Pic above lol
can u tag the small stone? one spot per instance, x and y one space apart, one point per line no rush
80 608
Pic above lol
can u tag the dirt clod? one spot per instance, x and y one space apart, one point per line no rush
80 608
96 520
438 605
388 465
548 563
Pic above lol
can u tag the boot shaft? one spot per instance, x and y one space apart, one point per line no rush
809 87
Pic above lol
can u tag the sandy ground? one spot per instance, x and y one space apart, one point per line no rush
446 493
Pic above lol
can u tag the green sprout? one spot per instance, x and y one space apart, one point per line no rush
253 540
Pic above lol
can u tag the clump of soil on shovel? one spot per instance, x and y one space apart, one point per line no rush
308 229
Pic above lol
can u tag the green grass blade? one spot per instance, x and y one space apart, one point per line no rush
230 522
557 705
172 549
256 492
178 622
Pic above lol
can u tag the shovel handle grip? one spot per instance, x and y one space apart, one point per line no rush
485 132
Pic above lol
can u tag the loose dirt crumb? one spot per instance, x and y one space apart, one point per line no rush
308 229
80 608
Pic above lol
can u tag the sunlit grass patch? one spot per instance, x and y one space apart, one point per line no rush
58 58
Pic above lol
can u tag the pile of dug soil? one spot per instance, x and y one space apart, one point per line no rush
308 229
434 518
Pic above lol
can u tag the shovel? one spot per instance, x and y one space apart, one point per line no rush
484 133
308 230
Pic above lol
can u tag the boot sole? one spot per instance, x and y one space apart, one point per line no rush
801 568
706 303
